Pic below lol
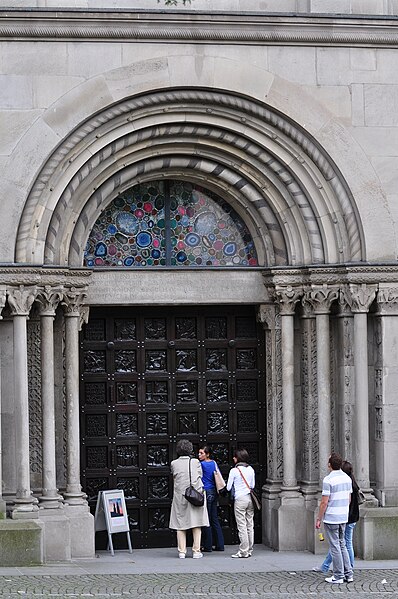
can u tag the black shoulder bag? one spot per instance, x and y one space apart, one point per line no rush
194 497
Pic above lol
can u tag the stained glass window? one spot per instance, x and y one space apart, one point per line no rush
169 223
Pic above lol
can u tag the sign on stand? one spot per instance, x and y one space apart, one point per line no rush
111 515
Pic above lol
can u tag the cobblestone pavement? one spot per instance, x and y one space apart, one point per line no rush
372 584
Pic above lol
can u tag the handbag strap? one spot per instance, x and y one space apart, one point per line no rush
189 467
247 485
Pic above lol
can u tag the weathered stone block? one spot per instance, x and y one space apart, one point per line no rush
376 533
21 543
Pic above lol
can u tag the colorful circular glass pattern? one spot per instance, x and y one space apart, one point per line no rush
201 229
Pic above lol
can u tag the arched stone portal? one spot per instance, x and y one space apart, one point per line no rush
307 234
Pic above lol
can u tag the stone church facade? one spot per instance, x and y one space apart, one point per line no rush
198 239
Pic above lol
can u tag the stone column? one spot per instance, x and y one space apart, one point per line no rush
20 300
321 297
288 297
76 506
360 298
290 515
48 299
73 304
318 300
3 296
346 378
309 402
268 316
385 420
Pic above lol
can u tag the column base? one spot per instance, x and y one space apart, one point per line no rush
270 501
75 499
57 543
51 503
314 544
82 533
370 499
24 511
289 516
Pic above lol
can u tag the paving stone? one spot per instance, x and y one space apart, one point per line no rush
226 585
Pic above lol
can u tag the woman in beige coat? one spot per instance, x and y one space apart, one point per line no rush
185 516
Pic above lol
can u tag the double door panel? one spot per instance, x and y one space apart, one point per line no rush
152 377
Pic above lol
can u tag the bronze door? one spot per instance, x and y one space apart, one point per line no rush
150 377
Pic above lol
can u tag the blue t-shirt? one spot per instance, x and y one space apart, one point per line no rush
208 469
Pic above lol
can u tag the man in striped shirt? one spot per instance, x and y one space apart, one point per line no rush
333 509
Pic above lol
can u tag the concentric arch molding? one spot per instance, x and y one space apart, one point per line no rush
282 183
175 26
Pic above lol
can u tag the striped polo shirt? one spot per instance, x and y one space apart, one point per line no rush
338 487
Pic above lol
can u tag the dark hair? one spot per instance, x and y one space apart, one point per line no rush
206 448
241 455
347 468
335 461
184 447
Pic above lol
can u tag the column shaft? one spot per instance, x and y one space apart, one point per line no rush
23 494
50 497
288 403
361 398
73 493
323 384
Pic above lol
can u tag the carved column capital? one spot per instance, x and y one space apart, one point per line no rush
73 301
21 298
320 298
48 299
359 297
287 298
387 301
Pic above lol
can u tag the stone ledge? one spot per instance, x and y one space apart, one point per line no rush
376 533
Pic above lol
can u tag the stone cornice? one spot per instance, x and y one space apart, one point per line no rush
332 275
198 27
31 275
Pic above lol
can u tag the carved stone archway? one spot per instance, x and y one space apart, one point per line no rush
288 190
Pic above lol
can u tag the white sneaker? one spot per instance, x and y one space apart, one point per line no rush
334 580
197 555
239 555
181 555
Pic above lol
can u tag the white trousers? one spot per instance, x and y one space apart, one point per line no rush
182 540
244 516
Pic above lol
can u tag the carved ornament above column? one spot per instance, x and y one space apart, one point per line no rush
20 299
319 298
3 298
49 298
387 301
287 298
268 316
73 301
359 297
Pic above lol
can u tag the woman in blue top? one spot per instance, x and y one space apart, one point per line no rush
209 466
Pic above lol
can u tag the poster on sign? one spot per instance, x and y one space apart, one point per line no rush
114 506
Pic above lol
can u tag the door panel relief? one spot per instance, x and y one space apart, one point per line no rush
150 378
